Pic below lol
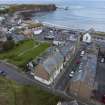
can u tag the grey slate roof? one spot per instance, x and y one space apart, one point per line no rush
52 62
18 38
70 103
66 48
54 57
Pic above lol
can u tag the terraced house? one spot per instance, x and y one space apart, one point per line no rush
52 62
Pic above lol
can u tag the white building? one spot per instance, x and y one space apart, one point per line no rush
57 43
37 31
87 38
1 19
74 102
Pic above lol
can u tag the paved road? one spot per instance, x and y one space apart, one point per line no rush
21 78
64 79
14 75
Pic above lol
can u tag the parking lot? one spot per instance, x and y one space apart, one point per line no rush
58 34
100 78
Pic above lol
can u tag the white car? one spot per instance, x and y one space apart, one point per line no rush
71 75
80 71
102 60
72 72
82 53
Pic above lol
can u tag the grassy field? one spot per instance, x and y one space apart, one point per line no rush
100 33
13 94
23 52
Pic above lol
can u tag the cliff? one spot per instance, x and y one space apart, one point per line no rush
32 8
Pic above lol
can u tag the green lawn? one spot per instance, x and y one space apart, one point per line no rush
24 51
13 94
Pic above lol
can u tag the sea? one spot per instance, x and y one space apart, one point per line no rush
81 14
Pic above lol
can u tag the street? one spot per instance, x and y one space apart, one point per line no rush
23 79
64 79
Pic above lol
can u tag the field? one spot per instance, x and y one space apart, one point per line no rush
13 94
23 52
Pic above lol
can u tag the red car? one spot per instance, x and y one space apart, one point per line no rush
78 62
103 99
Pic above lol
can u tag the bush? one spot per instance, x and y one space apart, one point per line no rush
8 45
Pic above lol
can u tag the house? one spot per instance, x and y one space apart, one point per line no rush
37 31
67 50
74 102
83 82
11 29
72 38
57 43
1 18
49 37
3 37
51 63
28 33
49 67
19 21
18 38
87 38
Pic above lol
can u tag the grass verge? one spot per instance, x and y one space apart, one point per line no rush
13 94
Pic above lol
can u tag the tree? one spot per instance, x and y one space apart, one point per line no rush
9 44
9 38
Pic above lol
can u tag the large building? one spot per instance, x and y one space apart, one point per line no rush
48 69
74 102
52 62
87 38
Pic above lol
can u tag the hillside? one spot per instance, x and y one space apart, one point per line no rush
13 94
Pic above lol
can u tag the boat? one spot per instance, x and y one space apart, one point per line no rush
66 8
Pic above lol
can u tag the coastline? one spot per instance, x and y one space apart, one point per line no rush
48 24
61 27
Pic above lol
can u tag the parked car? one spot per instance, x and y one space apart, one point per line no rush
2 73
102 60
82 53
72 72
77 62
103 99
71 75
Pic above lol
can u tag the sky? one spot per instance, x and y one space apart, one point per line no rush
24 1
36 1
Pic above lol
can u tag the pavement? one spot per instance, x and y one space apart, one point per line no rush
100 78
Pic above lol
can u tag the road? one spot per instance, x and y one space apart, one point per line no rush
64 79
13 74
23 79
